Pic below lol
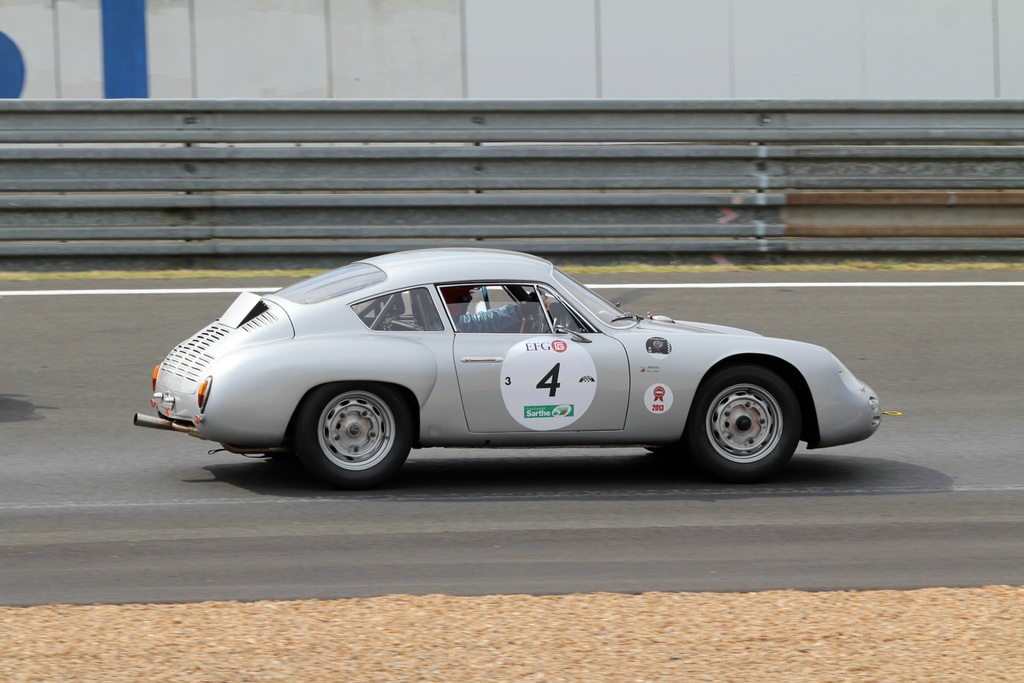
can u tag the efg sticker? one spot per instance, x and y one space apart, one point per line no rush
658 346
547 382
658 398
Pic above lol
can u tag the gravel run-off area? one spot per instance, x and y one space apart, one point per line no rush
937 634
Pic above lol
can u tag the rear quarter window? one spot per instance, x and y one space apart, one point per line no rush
336 283
409 311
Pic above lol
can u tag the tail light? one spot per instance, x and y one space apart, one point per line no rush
156 371
204 393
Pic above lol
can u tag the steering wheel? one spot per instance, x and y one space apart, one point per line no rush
533 321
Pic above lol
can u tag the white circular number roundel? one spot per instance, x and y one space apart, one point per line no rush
547 382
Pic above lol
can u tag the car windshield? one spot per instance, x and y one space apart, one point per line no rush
607 312
330 285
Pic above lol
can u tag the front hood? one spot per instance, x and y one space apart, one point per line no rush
664 323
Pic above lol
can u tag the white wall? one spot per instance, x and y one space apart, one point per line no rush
260 48
798 48
531 48
396 48
890 49
1010 20
666 48
171 48
922 48
80 49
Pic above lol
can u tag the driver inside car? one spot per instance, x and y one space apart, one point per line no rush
458 298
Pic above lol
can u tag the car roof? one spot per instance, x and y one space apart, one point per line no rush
455 265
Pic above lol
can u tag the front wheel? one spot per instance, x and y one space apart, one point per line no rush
354 436
745 424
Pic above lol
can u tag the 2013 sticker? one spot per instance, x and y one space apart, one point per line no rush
658 398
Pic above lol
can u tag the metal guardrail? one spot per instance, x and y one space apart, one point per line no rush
527 167
415 121
247 179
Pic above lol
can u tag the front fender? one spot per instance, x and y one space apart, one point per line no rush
844 409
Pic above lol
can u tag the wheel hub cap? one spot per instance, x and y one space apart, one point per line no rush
356 430
744 423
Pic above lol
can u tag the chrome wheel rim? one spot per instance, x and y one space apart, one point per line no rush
744 423
356 430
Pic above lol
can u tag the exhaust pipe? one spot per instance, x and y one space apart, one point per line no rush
166 425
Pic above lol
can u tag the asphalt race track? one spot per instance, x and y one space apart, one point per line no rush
95 510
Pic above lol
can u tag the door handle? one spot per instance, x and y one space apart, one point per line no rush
481 359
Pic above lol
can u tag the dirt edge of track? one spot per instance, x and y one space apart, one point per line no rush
935 634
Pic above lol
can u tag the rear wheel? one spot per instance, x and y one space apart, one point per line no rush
745 424
354 436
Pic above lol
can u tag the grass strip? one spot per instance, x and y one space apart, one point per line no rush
843 266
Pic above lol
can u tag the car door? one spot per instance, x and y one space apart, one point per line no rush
533 379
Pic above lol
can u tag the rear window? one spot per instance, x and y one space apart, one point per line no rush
334 284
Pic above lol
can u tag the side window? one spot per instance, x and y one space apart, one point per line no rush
408 311
495 308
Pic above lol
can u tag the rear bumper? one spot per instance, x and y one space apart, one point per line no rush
168 425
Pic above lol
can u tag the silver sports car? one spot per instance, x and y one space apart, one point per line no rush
351 369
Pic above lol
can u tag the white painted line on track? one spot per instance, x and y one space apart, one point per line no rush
631 285
794 285
767 492
114 292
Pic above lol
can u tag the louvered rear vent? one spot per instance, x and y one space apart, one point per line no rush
262 320
190 358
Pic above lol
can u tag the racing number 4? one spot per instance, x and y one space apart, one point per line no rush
550 381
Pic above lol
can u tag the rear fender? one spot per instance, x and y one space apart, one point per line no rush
256 390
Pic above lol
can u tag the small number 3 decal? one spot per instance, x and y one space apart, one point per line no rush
508 381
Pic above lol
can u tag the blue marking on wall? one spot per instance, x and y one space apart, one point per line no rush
125 71
12 69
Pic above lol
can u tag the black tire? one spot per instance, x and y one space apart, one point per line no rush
744 425
354 435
